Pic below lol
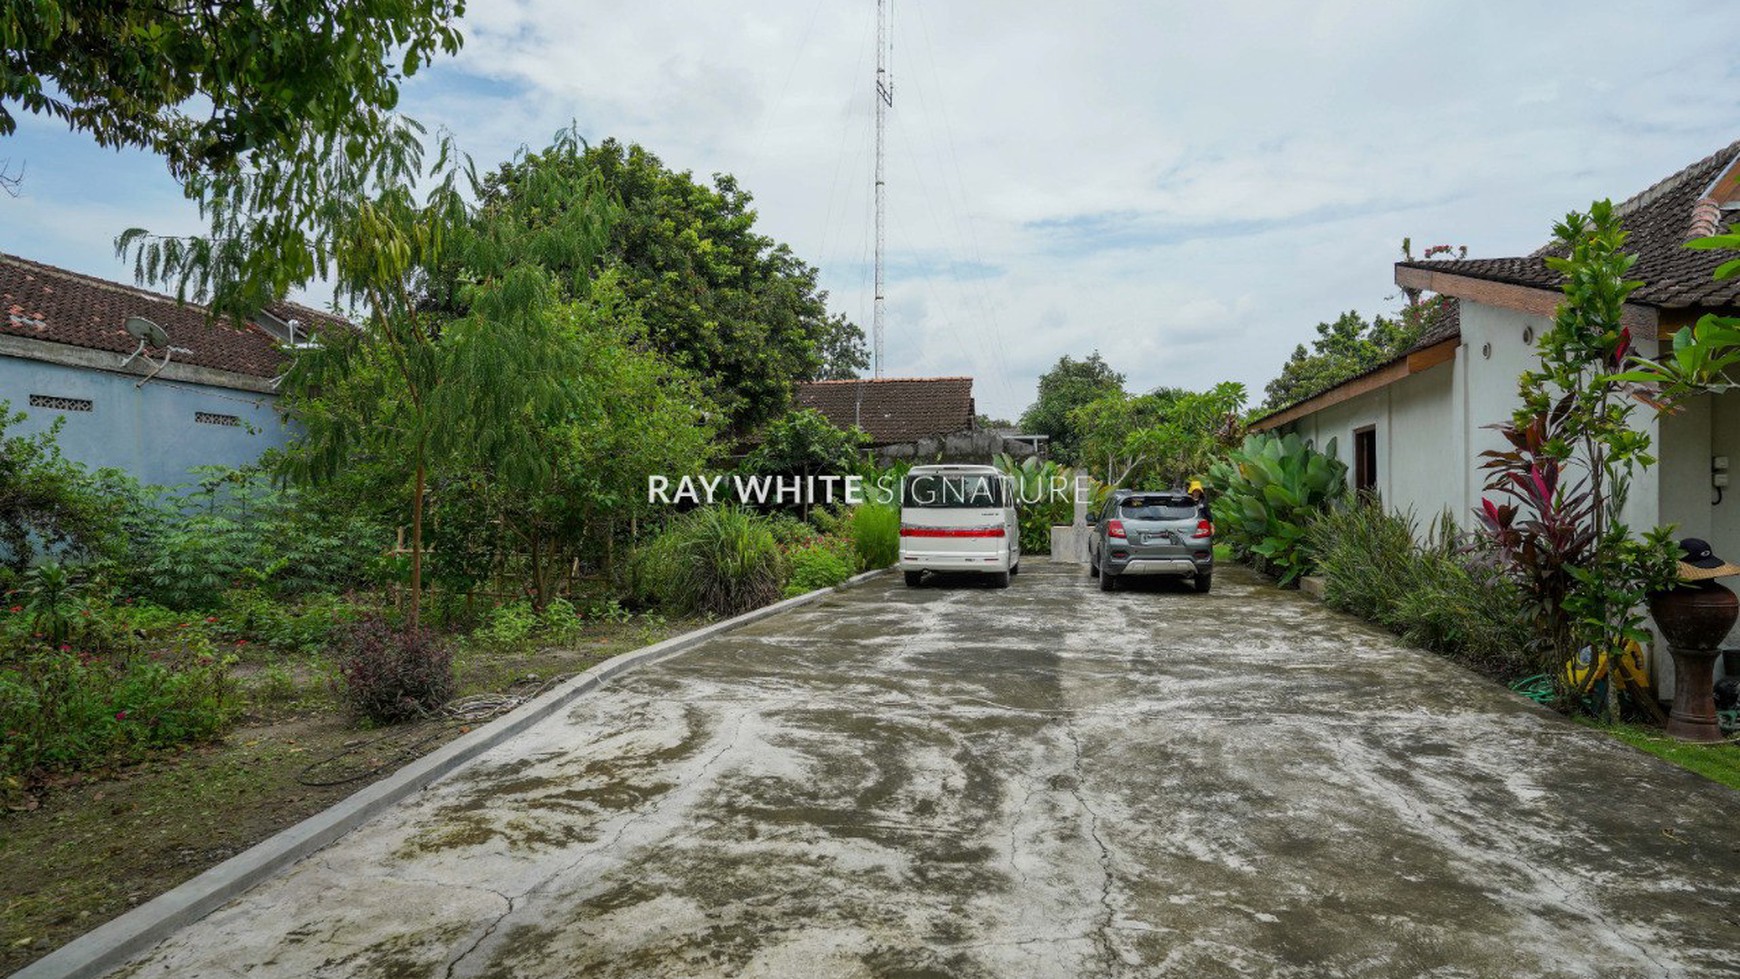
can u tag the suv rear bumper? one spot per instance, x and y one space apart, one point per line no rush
1163 566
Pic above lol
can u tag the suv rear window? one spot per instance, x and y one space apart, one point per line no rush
936 491
1157 508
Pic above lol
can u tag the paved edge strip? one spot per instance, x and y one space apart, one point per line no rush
111 945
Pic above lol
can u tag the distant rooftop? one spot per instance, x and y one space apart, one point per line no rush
894 409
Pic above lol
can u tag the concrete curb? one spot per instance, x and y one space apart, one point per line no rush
110 945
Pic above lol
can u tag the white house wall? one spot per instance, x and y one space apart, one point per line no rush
1431 428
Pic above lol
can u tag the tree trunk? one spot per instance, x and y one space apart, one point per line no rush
417 547
538 589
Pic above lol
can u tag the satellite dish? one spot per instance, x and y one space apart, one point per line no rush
147 332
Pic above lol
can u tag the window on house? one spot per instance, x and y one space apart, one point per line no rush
208 418
58 403
1365 459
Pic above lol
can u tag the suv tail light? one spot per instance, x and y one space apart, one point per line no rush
1115 528
1203 529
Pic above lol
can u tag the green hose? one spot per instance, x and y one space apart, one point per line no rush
1538 688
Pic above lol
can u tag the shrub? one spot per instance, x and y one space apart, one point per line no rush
822 563
1270 489
62 708
49 504
235 529
390 675
1429 592
716 560
789 531
1040 507
305 628
874 529
517 622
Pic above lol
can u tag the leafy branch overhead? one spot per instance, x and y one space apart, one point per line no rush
262 112
1701 354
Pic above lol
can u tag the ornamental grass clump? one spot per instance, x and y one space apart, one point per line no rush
1434 592
874 529
712 561
390 675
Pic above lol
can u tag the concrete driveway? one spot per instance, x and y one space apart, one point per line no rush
1044 781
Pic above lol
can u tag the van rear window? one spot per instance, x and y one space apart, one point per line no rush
938 491
1157 508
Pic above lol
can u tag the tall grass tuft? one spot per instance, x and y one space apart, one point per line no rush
1429 591
874 529
716 560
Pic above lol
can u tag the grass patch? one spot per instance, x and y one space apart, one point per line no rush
1716 762
1223 553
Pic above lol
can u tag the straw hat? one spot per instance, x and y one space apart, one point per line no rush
1697 563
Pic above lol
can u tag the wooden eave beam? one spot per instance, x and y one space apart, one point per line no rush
1642 320
1420 360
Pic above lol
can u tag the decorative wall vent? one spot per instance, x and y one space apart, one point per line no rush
60 404
209 418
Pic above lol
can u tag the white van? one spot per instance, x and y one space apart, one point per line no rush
959 518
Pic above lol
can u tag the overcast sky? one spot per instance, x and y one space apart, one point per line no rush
1186 187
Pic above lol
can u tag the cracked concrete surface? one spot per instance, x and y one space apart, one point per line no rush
1044 781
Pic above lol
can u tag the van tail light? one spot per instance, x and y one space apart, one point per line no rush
1115 528
1203 529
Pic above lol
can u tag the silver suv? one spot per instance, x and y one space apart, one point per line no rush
1145 533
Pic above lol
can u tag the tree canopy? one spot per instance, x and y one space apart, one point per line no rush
1069 385
714 296
262 111
1347 348
1159 439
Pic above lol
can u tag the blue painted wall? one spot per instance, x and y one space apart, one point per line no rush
149 431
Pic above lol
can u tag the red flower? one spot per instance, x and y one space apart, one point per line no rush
65 647
120 715
241 642
210 619
16 608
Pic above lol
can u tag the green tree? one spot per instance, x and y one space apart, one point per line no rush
1069 385
1345 349
632 415
442 392
262 112
804 443
1162 438
714 296
1106 428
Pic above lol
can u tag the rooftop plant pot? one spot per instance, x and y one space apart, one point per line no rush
1694 618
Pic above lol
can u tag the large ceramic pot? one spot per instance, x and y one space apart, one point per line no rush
1694 618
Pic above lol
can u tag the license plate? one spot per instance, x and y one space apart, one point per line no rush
1160 538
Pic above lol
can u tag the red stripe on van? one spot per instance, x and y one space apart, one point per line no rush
952 532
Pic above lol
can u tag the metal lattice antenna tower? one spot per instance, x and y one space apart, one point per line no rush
884 102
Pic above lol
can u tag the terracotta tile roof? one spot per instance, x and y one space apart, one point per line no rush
1659 221
1446 324
894 409
47 303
